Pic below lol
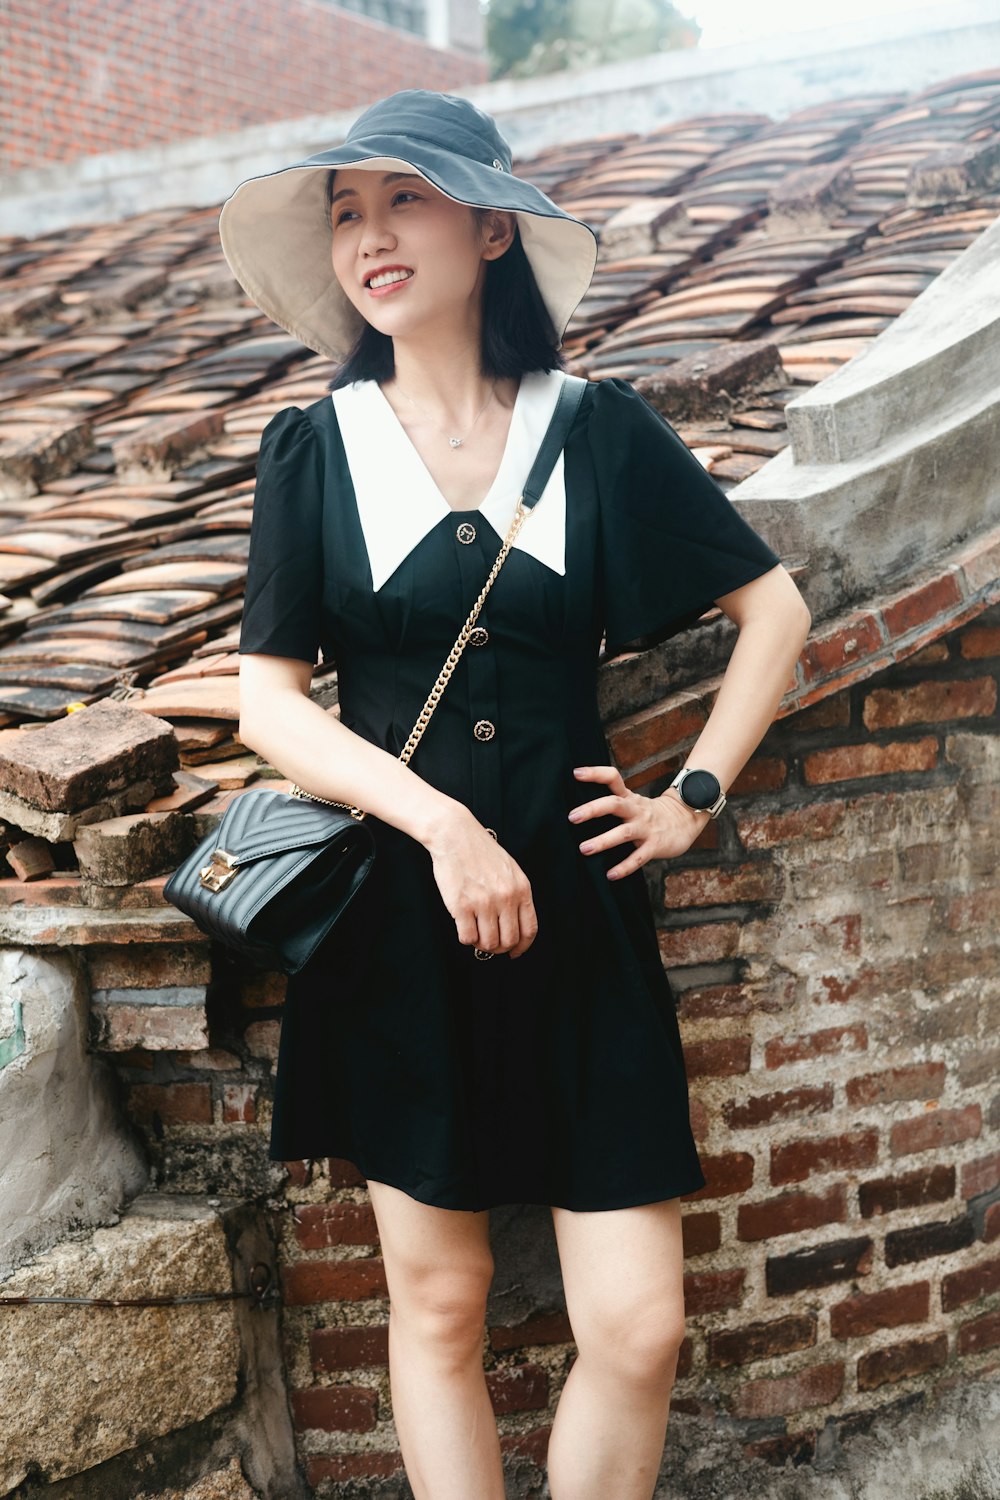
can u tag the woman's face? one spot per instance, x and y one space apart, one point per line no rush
433 248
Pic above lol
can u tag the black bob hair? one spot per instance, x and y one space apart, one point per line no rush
517 332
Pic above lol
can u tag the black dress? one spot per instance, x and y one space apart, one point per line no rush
557 1077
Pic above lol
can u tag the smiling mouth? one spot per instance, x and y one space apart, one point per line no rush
388 278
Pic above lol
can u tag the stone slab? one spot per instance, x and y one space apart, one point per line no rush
121 851
61 827
81 759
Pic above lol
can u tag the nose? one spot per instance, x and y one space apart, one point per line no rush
376 236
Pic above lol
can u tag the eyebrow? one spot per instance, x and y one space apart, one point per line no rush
389 177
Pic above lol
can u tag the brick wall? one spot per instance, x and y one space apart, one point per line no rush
834 948
86 76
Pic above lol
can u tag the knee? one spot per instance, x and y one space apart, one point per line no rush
444 1306
642 1344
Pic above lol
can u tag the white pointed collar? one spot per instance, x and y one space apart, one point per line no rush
398 501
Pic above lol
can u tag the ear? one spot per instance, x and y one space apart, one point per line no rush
498 227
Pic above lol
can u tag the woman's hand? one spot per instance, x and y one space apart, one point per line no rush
660 827
486 891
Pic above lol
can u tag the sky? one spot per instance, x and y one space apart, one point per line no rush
726 21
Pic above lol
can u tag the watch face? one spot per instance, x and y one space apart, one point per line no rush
700 789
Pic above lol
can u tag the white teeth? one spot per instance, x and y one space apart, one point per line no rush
389 276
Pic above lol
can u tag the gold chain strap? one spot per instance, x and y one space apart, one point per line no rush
521 513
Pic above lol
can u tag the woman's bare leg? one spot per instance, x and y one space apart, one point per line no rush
439 1267
622 1274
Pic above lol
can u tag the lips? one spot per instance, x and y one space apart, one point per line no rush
370 276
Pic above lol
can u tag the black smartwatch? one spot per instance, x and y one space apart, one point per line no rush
700 790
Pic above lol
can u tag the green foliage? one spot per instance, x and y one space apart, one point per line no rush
528 37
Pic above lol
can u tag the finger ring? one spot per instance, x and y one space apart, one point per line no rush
482 953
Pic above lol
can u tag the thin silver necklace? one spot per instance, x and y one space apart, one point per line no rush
455 442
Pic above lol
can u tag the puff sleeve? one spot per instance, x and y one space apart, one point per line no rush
671 541
284 593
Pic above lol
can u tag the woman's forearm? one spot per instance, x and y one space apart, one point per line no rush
755 681
312 748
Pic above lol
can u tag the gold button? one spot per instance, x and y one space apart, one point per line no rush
482 953
484 730
492 832
466 533
478 635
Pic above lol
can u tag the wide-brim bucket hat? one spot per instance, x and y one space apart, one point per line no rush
276 237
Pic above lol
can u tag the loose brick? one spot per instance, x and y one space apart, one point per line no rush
865 1312
787 1104
818 1386
705 886
935 1130
79 760
917 1081
980 1334
970 1283
791 1213
721 1057
712 1291
709 943
766 830
171 1103
702 1233
930 703
332 1349
334 1281
901 1361
981 1176
887 1195
740 1346
797 1160
731 1172
518 1388
546 1328
122 851
320 1225
922 1241
338 1408
856 762
781 1050
824 1265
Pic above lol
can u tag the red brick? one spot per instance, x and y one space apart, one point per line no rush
917 1081
347 1348
936 1130
172 1103
980 908
731 1172
979 641
797 1160
904 1247
720 1057
715 1002
533 1445
827 651
657 730
334 1281
981 1176
702 1233
698 1115
708 943
830 713
546 1328
343 1173
708 886
762 774
341 1466
739 1346
148 966
795 1447
791 1213
901 1361
239 1104
865 1312
317 1226
818 1386
762 1109
969 1284
930 703
852 762
766 830
822 1265
991 1224
518 1388
712 1291
980 1334
829 1043
887 1195
920 605
338 1408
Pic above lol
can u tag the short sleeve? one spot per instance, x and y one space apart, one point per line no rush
671 541
284 593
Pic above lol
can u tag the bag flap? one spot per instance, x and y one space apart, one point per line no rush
258 824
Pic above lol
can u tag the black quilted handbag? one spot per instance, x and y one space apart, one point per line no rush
281 868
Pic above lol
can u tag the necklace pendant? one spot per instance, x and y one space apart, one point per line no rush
456 442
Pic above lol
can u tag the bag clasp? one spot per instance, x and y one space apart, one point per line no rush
220 870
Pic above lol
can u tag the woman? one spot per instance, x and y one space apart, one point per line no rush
553 1072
